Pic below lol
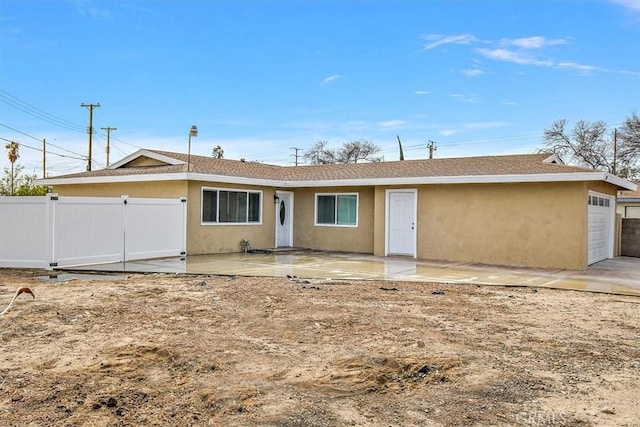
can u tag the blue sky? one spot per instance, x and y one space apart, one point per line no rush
260 77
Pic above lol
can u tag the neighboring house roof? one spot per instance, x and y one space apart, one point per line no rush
155 165
629 196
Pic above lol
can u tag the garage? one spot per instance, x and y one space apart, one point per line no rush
600 233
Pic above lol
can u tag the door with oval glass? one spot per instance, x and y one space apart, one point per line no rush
284 219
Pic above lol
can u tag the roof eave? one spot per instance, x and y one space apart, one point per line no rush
471 179
468 179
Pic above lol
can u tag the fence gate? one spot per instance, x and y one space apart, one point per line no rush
51 231
155 228
630 244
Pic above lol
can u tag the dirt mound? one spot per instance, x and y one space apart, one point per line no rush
188 351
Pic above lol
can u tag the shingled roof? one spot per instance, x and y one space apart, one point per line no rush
169 165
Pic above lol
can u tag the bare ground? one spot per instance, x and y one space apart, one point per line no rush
210 350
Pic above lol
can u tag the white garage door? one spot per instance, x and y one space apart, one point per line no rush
600 241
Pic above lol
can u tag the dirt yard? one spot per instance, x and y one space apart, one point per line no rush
175 350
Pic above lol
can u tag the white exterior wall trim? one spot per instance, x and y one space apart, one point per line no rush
421 180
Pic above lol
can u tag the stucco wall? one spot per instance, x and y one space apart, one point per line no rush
601 187
165 189
214 238
345 239
530 224
537 225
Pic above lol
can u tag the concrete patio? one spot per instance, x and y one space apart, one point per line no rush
616 276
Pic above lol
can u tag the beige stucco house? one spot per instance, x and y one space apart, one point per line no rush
516 210
628 204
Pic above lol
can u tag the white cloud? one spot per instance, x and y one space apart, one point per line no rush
534 42
575 66
523 58
392 123
465 98
514 56
86 7
422 92
631 4
485 125
522 51
330 79
436 40
472 72
447 132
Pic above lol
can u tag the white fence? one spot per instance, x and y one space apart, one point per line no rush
51 231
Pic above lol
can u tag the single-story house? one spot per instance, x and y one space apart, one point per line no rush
519 210
628 204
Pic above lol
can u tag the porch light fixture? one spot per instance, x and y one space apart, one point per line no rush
192 132
276 199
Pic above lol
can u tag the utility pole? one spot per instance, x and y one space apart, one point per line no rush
108 129
296 154
44 158
615 149
90 130
432 147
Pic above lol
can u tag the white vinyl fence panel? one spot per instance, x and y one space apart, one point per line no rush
88 230
51 231
25 232
146 232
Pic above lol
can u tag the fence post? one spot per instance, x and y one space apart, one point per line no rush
123 232
51 200
183 250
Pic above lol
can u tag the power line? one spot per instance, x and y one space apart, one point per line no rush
48 152
19 131
36 112
39 140
39 113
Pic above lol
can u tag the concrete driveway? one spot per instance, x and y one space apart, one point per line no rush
617 276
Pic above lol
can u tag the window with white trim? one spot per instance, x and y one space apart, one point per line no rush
338 209
227 206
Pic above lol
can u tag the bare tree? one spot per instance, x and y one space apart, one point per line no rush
319 154
350 152
590 144
355 151
628 148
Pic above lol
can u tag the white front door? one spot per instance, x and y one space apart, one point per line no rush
284 219
401 222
